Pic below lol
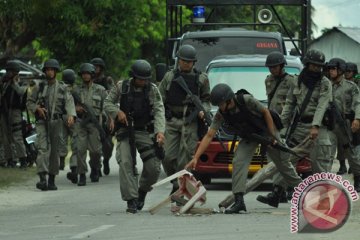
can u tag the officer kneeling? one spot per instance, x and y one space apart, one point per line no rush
140 125
246 117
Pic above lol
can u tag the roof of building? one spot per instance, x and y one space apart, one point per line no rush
351 32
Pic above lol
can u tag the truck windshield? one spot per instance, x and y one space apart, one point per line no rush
211 47
250 78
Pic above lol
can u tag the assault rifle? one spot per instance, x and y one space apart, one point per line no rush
131 132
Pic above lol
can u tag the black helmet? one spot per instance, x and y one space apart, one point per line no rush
221 93
351 67
315 57
187 53
141 69
68 76
274 59
98 61
86 68
12 65
337 62
51 63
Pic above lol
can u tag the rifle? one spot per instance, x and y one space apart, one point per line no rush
198 107
44 104
131 133
343 124
268 141
291 128
91 118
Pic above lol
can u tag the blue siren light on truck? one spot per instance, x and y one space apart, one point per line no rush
198 14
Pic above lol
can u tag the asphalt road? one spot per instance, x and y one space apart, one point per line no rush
96 211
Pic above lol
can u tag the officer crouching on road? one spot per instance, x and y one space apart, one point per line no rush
244 116
49 102
141 123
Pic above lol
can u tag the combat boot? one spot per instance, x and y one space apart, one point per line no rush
62 163
23 163
141 199
132 206
82 180
238 206
42 184
357 183
289 193
283 197
272 198
342 169
11 163
72 176
106 166
94 175
51 183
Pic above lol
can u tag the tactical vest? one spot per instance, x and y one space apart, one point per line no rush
136 104
175 95
12 99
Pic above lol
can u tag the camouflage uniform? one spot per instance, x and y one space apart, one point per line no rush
12 145
181 138
88 136
129 185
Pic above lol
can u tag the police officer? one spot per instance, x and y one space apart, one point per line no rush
246 116
346 98
141 121
107 82
309 99
277 86
351 71
49 102
68 78
88 95
181 137
12 148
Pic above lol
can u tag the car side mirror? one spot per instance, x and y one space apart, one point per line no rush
160 70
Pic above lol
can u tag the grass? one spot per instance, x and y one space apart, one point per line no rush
13 176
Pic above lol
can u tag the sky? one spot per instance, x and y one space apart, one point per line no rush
333 13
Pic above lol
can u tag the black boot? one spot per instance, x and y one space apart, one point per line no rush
342 169
11 163
94 175
289 193
272 198
141 199
106 166
23 162
62 163
238 206
283 197
42 184
132 206
51 183
357 183
82 180
72 176
175 186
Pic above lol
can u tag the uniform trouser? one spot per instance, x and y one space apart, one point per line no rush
319 151
180 144
242 159
67 132
47 144
128 174
12 137
88 138
340 140
106 149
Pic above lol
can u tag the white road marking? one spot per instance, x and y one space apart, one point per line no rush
92 231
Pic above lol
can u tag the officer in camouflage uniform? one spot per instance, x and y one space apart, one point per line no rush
181 137
346 98
244 116
68 78
277 86
310 122
141 113
12 147
49 102
88 134
108 83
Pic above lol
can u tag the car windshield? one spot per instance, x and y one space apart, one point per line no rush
211 47
249 78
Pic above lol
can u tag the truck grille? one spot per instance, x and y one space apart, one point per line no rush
226 158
